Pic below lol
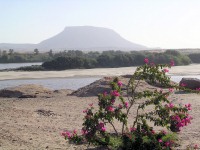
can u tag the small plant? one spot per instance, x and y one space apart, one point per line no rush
141 135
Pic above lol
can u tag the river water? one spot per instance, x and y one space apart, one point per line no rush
53 83
17 65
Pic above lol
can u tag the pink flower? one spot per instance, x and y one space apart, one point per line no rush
112 101
63 134
160 140
181 122
115 93
103 129
171 90
120 106
165 70
132 129
171 105
167 144
110 108
102 126
146 60
85 111
119 83
188 119
75 131
196 146
198 89
126 104
188 106
84 132
172 63
66 134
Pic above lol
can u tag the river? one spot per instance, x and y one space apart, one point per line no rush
17 65
53 83
77 78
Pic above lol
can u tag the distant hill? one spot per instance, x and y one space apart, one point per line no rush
17 47
81 38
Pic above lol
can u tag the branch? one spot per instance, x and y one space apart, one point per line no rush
136 119
132 102
114 127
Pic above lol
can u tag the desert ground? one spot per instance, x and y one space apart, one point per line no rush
36 123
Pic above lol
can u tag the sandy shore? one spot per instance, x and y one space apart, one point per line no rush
22 127
193 69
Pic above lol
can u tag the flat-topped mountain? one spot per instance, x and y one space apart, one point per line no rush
82 38
89 38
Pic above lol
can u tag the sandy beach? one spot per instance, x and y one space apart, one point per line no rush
193 69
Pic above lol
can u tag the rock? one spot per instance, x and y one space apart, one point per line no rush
45 112
26 91
63 91
10 93
93 89
103 85
27 96
191 83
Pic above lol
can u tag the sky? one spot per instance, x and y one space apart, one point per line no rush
153 23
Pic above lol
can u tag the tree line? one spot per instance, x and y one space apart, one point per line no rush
11 56
195 57
73 59
109 59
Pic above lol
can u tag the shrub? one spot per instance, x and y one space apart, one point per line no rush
141 135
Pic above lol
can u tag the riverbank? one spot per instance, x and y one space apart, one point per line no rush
193 69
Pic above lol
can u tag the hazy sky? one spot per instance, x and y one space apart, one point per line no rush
153 23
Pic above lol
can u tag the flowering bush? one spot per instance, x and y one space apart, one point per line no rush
114 107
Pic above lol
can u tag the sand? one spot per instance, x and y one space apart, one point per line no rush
177 70
23 127
36 123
